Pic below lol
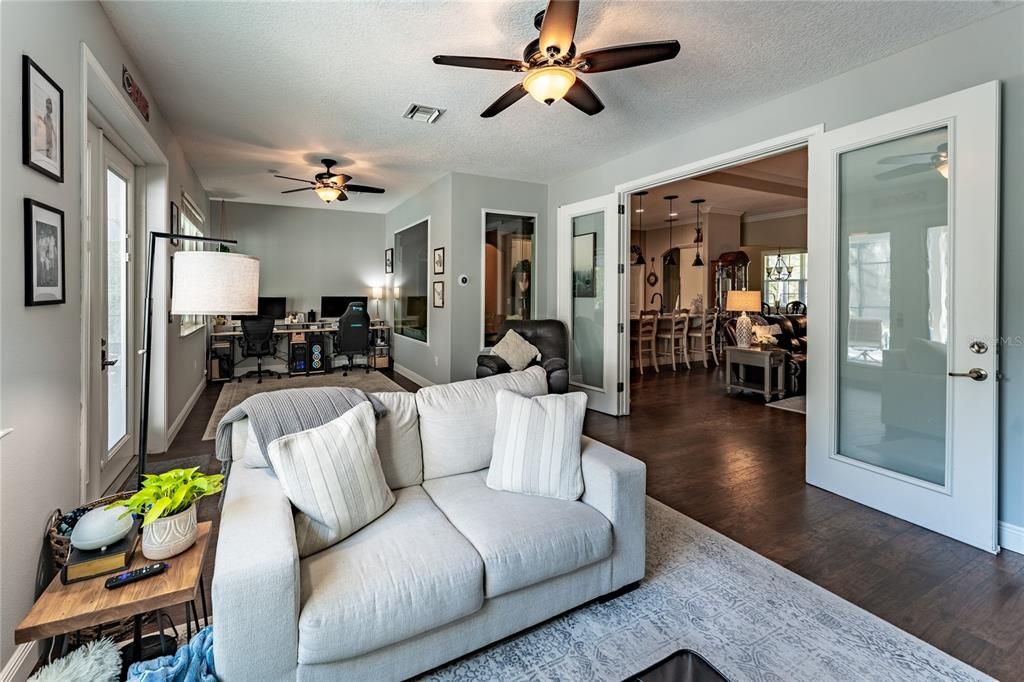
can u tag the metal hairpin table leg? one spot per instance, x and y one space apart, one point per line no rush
202 597
137 638
188 623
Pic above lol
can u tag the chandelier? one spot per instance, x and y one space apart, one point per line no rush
780 272
640 212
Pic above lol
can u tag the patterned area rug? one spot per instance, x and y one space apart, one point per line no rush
797 403
233 393
748 616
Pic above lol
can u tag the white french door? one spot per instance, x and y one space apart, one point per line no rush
588 298
111 357
903 237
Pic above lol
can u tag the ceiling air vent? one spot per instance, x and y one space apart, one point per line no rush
418 112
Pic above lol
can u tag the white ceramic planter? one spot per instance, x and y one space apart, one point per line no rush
170 535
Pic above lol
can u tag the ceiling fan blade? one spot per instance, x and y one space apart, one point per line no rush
628 56
513 95
492 63
340 178
301 189
364 188
559 26
342 197
285 177
583 98
903 171
904 158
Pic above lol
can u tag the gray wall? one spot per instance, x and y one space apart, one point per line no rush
470 195
39 464
988 50
308 252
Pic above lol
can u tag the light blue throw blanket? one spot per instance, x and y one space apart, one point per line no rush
191 663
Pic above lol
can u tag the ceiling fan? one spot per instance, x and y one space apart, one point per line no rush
551 63
329 185
921 162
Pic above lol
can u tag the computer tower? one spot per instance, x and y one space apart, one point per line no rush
318 358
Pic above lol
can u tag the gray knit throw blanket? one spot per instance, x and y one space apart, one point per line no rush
277 413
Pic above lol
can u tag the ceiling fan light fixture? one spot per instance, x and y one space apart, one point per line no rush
327 192
943 168
548 84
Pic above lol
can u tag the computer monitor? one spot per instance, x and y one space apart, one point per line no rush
272 306
335 306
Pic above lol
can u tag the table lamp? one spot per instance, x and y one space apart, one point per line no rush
378 293
203 283
743 302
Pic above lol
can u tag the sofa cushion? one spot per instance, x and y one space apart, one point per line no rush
516 351
332 475
408 572
398 439
457 420
537 445
523 539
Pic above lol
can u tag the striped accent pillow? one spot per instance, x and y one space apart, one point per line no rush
333 477
537 445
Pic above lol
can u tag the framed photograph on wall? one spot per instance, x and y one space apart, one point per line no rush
438 294
42 121
584 265
44 254
439 260
389 261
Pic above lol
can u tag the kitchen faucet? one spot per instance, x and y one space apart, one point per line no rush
661 302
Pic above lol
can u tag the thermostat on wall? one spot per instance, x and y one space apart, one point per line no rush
463 280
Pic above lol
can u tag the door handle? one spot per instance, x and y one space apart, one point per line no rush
104 363
976 373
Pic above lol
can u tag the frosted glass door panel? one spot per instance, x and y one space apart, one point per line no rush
588 304
894 305
117 314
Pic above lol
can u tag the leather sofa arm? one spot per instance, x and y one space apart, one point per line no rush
256 592
488 365
554 364
615 484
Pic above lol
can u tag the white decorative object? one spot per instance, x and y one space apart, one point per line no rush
100 528
169 535
764 335
697 304
743 331
743 302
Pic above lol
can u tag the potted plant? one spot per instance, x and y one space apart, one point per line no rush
167 504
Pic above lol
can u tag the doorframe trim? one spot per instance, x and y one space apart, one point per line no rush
746 154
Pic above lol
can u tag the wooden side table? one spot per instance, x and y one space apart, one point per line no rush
771 361
62 609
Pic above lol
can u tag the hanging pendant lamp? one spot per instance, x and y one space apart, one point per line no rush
699 238
670 257
640 256
781 272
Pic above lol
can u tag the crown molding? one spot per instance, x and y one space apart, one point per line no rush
775 215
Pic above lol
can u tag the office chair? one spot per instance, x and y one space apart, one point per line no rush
258 342
353 335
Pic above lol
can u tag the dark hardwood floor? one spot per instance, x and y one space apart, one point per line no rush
738 467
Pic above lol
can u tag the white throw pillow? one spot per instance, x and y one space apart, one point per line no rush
537 445
333 477
516 351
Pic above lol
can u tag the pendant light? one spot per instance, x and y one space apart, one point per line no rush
670 257
640 256
699 238
780 272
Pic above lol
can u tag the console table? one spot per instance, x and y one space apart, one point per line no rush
771 361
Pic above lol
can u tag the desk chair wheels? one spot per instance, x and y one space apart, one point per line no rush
259 372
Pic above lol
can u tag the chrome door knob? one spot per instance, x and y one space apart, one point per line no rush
976 373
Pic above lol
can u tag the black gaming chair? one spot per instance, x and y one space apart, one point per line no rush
258 342
353 335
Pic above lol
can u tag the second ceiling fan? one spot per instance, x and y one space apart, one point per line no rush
551 64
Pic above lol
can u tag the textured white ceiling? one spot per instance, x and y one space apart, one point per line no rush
250 87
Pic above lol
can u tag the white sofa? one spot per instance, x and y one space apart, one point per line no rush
452 567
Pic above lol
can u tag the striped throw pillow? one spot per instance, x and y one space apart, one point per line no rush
537 445
333 477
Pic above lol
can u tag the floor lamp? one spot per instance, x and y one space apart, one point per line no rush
203 283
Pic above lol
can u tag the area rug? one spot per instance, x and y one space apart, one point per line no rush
748 616
233 393
797 403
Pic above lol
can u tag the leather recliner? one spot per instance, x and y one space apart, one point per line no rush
552 340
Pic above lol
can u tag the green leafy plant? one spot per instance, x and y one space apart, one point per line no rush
170 493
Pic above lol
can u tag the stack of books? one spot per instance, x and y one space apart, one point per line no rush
84 564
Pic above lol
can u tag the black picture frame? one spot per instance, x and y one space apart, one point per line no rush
438 294
439 260
45 281
51 168
389 261
175 226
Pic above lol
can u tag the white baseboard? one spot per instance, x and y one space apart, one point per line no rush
413 376
19 665
1011 537
183 415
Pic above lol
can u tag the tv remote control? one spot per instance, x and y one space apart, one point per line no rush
122 579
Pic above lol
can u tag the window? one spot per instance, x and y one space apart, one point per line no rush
508 271
412 281
868 272
191 219
793 289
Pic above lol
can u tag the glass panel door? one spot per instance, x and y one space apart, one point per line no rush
894 262
586 364
117 313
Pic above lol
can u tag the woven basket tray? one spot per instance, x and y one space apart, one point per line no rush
60 545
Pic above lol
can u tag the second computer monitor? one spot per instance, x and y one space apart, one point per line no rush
335 306
272 306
